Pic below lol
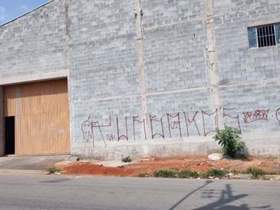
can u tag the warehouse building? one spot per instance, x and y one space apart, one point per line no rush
108 79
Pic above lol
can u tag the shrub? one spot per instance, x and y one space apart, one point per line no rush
215 173
53 170
166 173
230 141
255 172
188 174
127 159
173 173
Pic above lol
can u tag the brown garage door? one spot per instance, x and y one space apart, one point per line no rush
41 116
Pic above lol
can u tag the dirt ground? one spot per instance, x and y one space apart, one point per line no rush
149 166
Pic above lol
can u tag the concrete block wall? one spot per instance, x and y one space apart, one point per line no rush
174 45
152 77
190 69
104 73
32 47
139 78
175 59
249 77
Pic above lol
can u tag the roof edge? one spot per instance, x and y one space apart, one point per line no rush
27 13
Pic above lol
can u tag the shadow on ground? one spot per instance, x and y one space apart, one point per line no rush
223 203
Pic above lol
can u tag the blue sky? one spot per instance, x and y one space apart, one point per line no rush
10 9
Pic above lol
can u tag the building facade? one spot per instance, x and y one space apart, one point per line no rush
114 78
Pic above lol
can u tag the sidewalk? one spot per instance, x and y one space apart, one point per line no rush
4 172
29 165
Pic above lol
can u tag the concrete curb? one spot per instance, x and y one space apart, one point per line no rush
272 177
234 177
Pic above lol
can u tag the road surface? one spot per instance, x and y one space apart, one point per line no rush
100 193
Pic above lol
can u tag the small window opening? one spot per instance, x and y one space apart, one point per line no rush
266 36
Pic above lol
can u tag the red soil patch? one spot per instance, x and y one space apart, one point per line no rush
93 169
199 164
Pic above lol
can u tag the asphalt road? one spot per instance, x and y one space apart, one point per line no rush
99 193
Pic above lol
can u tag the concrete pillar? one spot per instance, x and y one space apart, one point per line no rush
212 64
67 67
2 135
140 52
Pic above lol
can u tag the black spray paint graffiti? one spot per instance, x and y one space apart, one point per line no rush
119 135
169 125
214 128
191 121
278 115
137 121
234 118
174 122
90 127
153 120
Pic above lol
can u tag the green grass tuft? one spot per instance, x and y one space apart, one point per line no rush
166 173
215 173
54 170
255 172
188 174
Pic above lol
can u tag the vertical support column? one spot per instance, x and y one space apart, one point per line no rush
67 66
140 50
67 34
2 135
212 61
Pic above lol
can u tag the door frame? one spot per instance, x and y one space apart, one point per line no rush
29 78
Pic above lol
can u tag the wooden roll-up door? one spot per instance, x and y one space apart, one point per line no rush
41 114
